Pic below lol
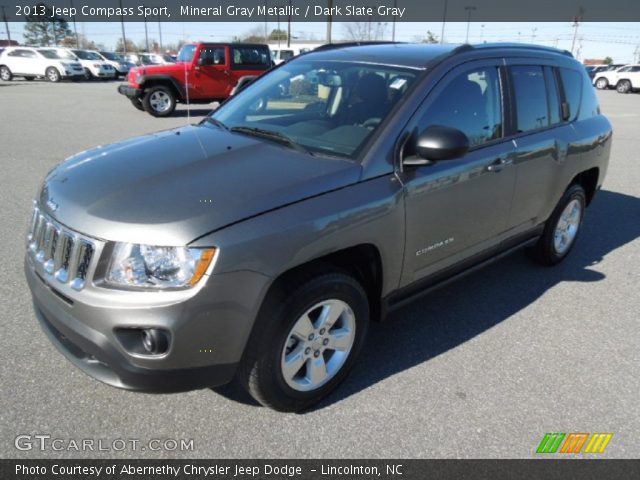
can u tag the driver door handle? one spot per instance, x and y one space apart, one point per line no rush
498 164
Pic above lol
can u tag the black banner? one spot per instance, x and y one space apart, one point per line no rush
583 469
321 10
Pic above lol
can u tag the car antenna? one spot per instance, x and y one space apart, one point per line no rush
186 87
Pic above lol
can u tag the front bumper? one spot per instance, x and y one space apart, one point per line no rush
208 331
129 91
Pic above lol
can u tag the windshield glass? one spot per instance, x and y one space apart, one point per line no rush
84 55
65 54
324 106
49 54
112 56
186 53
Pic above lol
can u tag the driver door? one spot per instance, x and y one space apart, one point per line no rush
458 208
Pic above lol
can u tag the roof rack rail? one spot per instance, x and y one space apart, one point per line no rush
524 46
331 46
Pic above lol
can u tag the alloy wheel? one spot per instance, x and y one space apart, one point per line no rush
567 226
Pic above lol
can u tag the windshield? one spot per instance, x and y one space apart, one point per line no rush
186 53
326 107
65 54
49 54
84 55
114 57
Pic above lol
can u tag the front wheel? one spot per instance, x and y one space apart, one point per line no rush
602 83
5 74
87 74
137 103
53 75
624 86
159 101
561 230
306 341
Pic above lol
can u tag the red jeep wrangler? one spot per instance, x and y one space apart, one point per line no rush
210 71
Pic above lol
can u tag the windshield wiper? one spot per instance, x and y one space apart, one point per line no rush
216 122
272 135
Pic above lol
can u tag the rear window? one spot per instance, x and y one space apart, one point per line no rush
589 107
572 82
531 98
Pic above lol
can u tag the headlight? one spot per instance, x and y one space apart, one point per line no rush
144 266
65 64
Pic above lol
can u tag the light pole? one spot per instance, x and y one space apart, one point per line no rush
329 20
160 33
576 24
393 28
75 30
481 32
289 26
124 37
444 20
6 25
266 28
469 9
533 34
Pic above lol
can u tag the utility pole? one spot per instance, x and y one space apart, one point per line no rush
266 29
393 27
444 20
481 32
124 37
146 34
636 54
576 24
469 9
6 25
75 30
289 27
160 33
533 34
329 21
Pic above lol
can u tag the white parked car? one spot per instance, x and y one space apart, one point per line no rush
118 62
279 55
30 63
627 79
94 65
606 78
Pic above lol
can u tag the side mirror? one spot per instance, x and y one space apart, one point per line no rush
439 143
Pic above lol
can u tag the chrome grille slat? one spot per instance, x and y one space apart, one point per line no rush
62 252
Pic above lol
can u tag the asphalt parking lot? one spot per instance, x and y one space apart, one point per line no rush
480 369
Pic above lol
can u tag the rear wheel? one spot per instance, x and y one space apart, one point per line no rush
159 101
624 86
53 75
5 74
561 230
602 83
305 341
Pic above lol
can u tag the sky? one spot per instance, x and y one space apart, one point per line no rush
620 41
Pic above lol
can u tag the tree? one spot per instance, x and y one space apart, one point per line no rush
83 42
131 47
38 31
364 31
278 35
430 38
255 35
608 60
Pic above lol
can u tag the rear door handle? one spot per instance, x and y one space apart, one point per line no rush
497 165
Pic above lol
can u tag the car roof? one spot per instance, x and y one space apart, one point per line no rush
417 55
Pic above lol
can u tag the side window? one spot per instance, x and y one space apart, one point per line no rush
572 86
471 102
531 98
250 58
635 69
213 56
553 96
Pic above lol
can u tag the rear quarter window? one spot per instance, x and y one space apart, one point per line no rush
589 106
250 58
572 83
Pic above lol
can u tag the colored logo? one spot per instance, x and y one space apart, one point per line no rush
573 443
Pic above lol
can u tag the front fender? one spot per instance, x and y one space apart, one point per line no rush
272 243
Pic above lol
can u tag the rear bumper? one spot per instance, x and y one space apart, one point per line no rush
129 92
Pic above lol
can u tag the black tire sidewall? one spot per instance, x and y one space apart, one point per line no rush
149 109
278 394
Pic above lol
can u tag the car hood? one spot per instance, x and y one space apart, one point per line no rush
162 69
171 187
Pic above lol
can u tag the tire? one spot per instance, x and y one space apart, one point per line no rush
264 371
562 228
623 86
5 74
28 79
53 75
137 103
602 83
87 74
159 101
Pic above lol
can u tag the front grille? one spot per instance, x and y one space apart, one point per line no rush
63 253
